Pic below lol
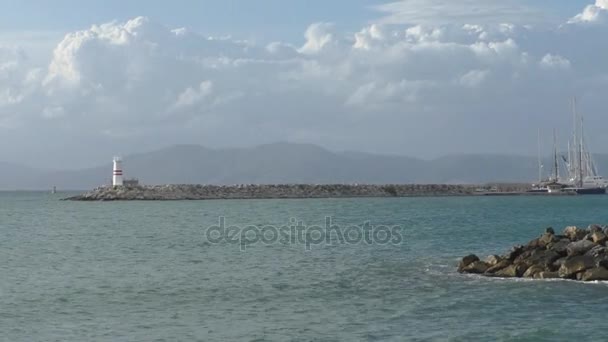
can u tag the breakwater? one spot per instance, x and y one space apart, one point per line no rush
210 192
577 254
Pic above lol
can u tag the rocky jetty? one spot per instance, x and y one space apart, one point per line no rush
210 192
578 254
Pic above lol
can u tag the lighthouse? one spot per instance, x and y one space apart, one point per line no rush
117 172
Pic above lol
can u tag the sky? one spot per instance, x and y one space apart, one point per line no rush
83 81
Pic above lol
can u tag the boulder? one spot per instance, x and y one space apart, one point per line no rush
501 265
560 247
599 237
558 263
547 239
533 270
476 267
579 247
514 252
593 228
533 244
511 271
599 255
466 261
597 273
574 265
493 260
540 257
574 233
597 251
546 275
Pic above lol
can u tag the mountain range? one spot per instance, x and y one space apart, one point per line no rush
285 163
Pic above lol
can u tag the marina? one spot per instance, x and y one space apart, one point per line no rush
582 176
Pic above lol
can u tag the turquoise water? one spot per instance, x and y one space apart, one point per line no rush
145 271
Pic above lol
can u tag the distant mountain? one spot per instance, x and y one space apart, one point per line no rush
283 163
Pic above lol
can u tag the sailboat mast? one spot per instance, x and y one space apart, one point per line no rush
577 174
540 163
570 172
580 161
555 162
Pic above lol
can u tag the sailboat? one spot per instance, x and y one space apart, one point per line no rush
552 184
539 187
583 175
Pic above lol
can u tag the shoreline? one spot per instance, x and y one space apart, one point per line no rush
295 191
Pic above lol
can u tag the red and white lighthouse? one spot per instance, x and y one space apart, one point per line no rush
117 172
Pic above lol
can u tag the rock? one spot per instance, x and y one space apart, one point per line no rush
558 263
546 275
466 261
547 239
597 273
560 247
493 260
579 247
533 270
599 237
578 254
574 265
599 255
597 251
540 257
512 271
501 265
574 233
533 244
476 267
593 228
514 252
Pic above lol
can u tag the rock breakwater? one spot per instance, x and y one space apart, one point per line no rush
210 192
577 254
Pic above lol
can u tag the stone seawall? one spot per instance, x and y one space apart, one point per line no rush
210 192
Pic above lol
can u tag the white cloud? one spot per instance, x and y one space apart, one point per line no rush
592 13
318 36
192 96
550 61
473 78
368 37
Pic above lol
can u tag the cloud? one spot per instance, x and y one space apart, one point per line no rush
318 36
473 78
550 61
593 13
137 85
192 96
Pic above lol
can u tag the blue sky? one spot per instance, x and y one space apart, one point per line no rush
265 20
270 19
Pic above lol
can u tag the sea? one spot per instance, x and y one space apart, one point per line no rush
381 269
